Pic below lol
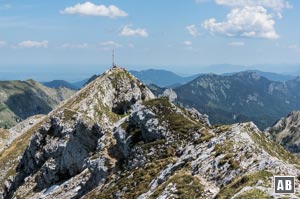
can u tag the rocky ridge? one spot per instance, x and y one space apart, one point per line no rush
114 139
286 132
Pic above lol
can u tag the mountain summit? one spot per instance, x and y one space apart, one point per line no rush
114 139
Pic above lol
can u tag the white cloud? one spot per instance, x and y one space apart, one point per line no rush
2 43
109 45
252 22
33 44
237 43
91 9
277 5
192 29
75 46
128 31
188 43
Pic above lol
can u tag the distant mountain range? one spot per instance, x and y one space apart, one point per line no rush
22 99
245 96
268 75
61 83
164 78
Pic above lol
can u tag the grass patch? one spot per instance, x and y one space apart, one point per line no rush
254 193
68 114
247 180
224 148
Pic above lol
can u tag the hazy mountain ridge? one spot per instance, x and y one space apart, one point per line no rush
22 99
244 96
268 75
113 139
162 78
60 83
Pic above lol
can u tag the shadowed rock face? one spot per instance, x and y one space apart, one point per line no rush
286 132
87 149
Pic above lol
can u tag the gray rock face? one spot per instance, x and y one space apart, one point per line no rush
193 113
170 93
286 132
56 153
142 125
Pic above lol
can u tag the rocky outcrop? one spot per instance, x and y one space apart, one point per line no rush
286 132
170 93
56 153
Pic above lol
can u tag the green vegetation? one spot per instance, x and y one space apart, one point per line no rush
222 128
187 186
224 148
247 180
253 193
68 114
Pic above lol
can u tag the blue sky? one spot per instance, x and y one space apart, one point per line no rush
76 37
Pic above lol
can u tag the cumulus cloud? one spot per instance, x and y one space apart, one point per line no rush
252 22
91 9
188 43
2 43
275 5
128 31
75 46
192 29
237 43
33 44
